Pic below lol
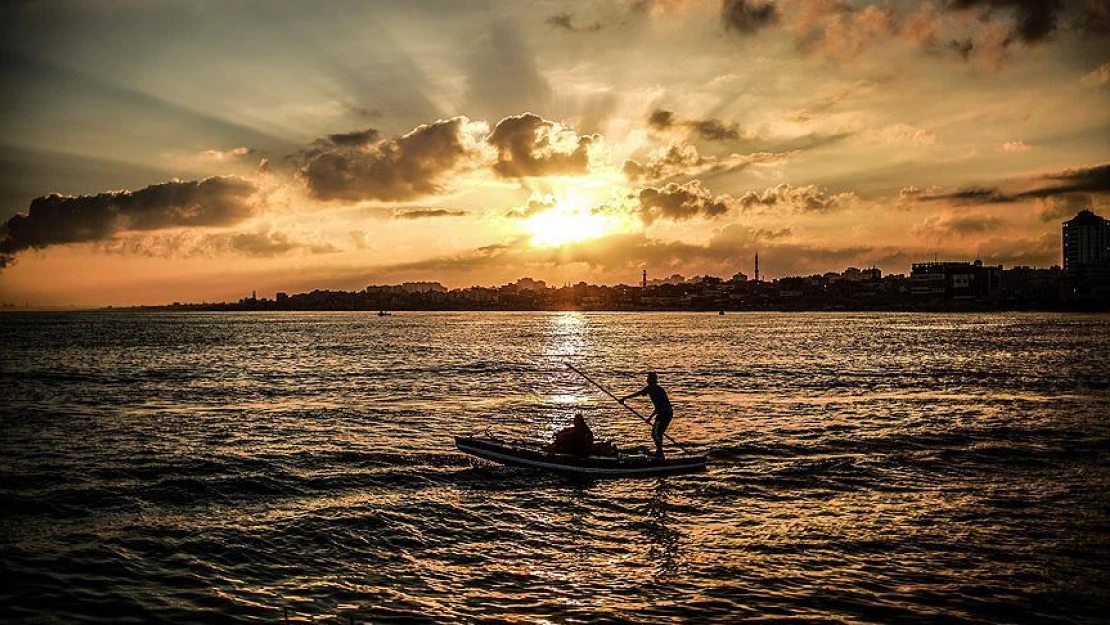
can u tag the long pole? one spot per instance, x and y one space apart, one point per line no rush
629 408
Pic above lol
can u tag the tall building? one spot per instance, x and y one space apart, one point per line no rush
1086 240
1087 253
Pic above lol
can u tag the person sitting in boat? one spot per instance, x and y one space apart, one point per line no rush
576 440
663 412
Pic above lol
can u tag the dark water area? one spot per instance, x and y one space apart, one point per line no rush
864 468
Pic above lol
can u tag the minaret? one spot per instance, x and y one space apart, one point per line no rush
757 266
643 280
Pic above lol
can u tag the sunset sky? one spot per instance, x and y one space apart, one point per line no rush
161 150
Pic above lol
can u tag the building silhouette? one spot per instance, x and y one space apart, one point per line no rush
954 280
1086 239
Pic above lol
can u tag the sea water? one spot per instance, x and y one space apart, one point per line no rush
881 468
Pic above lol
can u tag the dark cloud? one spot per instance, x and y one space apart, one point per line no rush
972 195
747 17
1092 179
355 138
425 213
364 112
681 201
402 168
715 130
962 48
709 129
1094 18
57 219
842 29
528 145
565 21
661 120
1034 20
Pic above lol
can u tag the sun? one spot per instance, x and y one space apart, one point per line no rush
569 220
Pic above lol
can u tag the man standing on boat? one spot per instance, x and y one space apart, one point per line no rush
663 412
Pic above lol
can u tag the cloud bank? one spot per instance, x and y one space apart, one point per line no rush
58 219
413 165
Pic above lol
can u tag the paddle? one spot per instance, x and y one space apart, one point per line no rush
630 408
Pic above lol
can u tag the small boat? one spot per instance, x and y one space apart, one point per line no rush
382 313
532 455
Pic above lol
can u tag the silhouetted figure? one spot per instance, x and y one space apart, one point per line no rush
663 412
576 440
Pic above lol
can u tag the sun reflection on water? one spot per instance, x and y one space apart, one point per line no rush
567 339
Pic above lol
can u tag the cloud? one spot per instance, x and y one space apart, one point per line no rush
1094 179
921 27
1034 20
909 192
565 21
1062 206
715 130
709 129
1099 77
1094 19
354 138
971 195
805 199
747 17
685 201
1030 251
261 244
683 159
528 145
905 134
227 155
674 160
536 205
840 29
661 120
57 219
681 201
962 47
944 226
413 165
1015 146
425 213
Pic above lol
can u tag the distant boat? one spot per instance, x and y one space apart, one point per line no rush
721 313
532 455
382 313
